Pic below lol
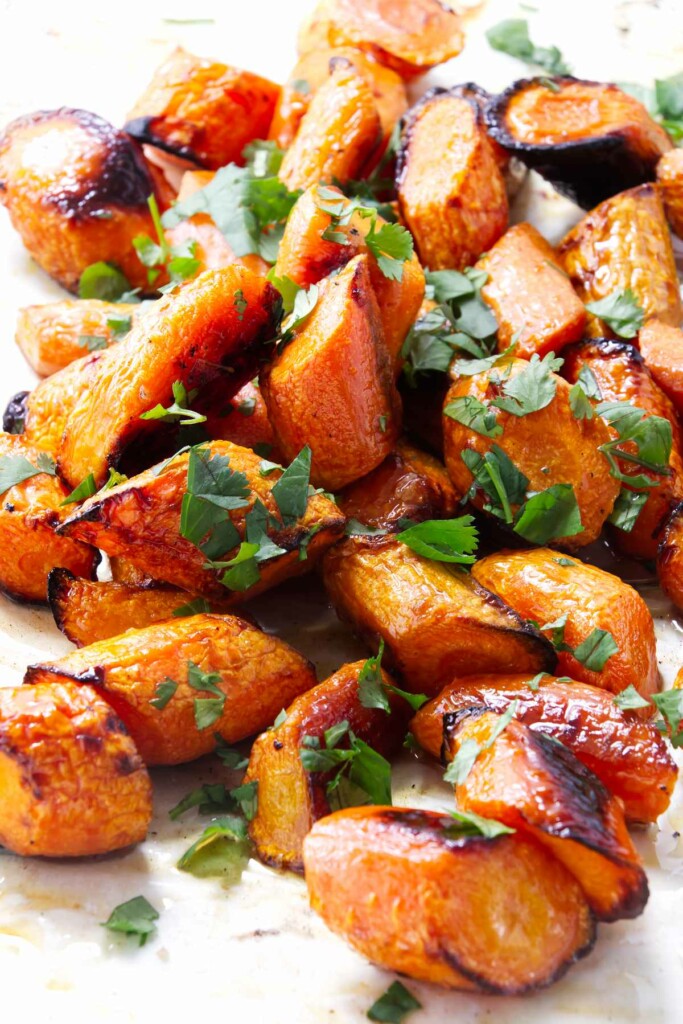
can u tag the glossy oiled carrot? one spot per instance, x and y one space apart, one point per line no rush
410 892
456 207
210 246
435 620
213 324
622 376
306 257
313 69
409 484
76 190
72 781
624 243
30 512
670 180
91 610
332 387
152 541
243 420
203 111
539 586
531 783
550 446
661 346
256 675
338 133
531 298
628 755
291 799
670 557
410 37
56 334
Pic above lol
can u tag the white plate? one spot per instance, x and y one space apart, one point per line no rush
256 952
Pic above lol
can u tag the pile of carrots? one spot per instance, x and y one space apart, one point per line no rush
305 337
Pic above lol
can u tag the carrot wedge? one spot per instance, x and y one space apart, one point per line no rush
531 783
661 346
413 893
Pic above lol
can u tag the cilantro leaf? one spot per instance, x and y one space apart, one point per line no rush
363 775
119 326
446 285
197 606
371 692
470 824
230 758
207 710
105 281
394 1005
305 302
287 288
242 572
222 849
669 95
532 389
549 515
651 435
210 799
92 342
579 403
627 508
670 706
163 692
621 311
178 410
496 474
290 493
246 796
14 469
588 382
135 917
629 699
391 246
85 489
263 158
512 37
443 540
469 750
596 649
472 413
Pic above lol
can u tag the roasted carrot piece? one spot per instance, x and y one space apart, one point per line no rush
589 139
529 293
338 133
622 244
661 346
628 755
76 190
670 557
73 783
409 484
550 446
256 675
313 69
409 37
306 257
412 893
670 181
112 520
215 323
210 246
456 207
203 111
123 570
243 420
541 587
332 386
291 798
622 376
87 611
529 782
435 620
40 415
194 181
29 514
54 335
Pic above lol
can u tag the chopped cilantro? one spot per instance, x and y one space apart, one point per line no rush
362 775
549 515
443 540
627 508
670 706
629 699
472 413
470 824
85 489
263 157
179 410
512 37
207 710
163 693
531 389
651 435
290 492
105 281
92 342
580 404
621 311
211 798
14 469
469 750
197 606
222 849
135 917
394 1005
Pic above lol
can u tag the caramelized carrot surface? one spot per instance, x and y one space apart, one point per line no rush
628 755
670 181
54 335
253 676
661 346
72 780
540 587
413 894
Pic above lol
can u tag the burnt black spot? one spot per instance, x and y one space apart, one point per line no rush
119 175
14 416
127 765
277 745
91 743
171 135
